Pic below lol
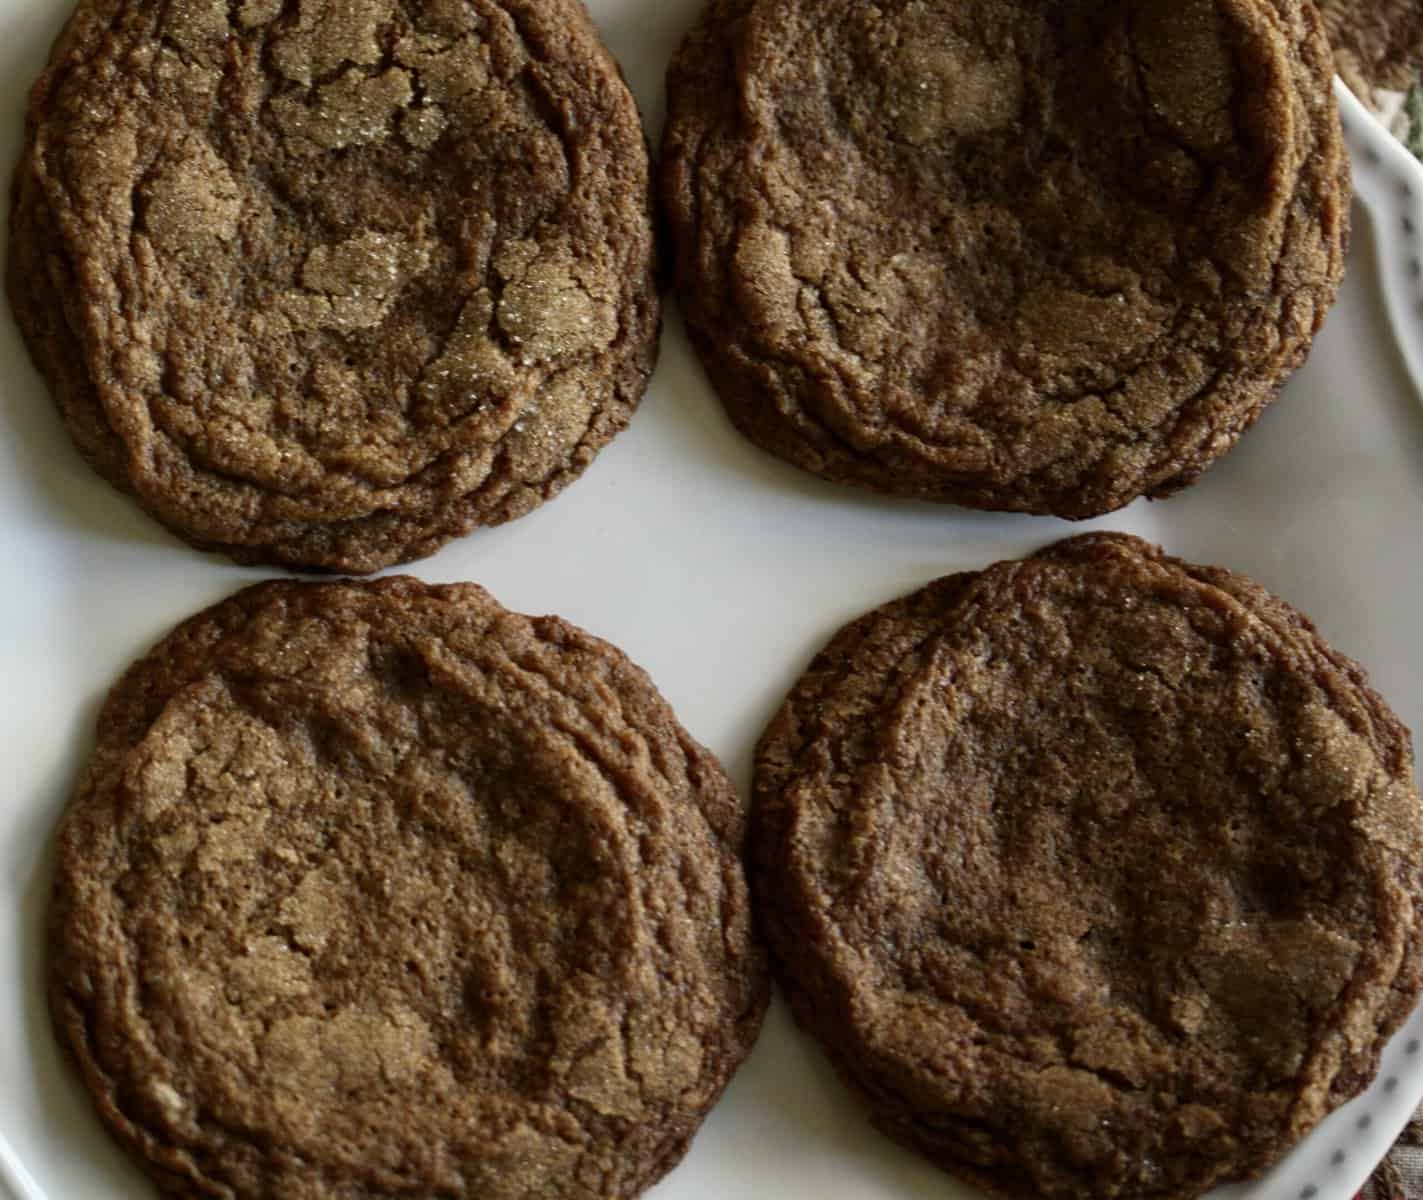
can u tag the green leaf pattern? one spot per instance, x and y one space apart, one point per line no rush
1413 115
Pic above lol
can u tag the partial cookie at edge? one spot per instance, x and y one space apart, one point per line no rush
1023 920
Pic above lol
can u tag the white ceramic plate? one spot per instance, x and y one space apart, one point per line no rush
721 571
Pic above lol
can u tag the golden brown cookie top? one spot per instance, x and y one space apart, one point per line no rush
1096 873
1034 256
383 890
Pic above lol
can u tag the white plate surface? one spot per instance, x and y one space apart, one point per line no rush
721 571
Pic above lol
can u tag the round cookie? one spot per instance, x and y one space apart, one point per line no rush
328 284
1037 257
382 890
1378 44
1096 874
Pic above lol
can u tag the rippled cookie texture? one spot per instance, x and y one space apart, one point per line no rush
381 890
1033 256
329 283
1096 874
1377 43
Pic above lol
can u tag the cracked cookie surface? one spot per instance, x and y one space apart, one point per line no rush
1028 256
327 284
1097 874
381 890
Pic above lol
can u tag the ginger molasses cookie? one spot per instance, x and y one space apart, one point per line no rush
327 284
1096 874
1045 257
382 890
1378 44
